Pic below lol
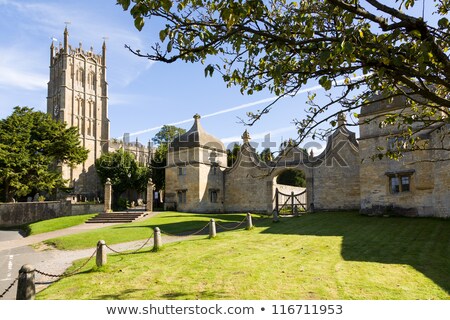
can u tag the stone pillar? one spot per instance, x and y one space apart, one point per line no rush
101 258
275 216
108 195
212 229
150 189
26 289
157 241
249 221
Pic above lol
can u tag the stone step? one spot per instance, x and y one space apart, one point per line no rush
119 217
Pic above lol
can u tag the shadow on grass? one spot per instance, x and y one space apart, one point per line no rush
423 243
186 227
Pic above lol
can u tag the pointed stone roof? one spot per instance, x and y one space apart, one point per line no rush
197 137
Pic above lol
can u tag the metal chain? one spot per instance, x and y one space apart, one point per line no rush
135 251
9 288
185 235
232 228
63 275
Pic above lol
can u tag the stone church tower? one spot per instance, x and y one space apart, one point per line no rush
78 96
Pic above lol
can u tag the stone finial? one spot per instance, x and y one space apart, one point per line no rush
341 119
246 136
66 39
108 180
197 116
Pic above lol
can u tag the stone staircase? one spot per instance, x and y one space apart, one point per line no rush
117 217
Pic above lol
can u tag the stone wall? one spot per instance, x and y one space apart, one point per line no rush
14 214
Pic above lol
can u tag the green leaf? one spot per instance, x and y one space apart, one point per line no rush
325 82
139 23
163 34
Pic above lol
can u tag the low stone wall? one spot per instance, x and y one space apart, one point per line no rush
81 208
15 214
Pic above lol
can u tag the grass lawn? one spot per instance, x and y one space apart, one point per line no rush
317 256
54 224
171 222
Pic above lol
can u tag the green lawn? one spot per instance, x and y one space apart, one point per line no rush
317 256
171 222
54 224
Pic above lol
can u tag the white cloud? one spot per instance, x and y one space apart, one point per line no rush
18 70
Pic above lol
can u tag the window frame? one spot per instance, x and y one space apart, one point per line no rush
397 179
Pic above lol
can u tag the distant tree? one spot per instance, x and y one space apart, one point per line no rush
31 144
266 155
358 47
123 170
162 139
292 177
166 134
233 154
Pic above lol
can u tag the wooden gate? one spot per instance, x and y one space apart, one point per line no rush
290 203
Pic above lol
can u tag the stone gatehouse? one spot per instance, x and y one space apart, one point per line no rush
198 180
342 177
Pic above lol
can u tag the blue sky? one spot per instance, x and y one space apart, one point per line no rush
142 94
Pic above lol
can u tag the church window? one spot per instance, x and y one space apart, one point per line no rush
89 129
91 80
181 171
80 76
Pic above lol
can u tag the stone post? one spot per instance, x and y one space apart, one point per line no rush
249 221
26 289
275 216
157 241
108 195
101 258
150 189
212 229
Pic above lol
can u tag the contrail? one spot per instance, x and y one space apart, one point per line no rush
242 106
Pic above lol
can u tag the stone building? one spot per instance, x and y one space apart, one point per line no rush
416 185
198 180
78 96
342 177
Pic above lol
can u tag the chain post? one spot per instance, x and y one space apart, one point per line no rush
26 289
212 229
249 221
101 258
157 242
275 216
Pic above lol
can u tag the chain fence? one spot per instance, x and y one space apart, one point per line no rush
232 228
9 288
68 274
134 251
64 274
185 234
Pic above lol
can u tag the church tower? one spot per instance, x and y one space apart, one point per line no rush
78 96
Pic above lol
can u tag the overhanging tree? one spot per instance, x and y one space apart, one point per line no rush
357 47
31 144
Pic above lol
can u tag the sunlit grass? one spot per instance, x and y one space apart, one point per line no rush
319 256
